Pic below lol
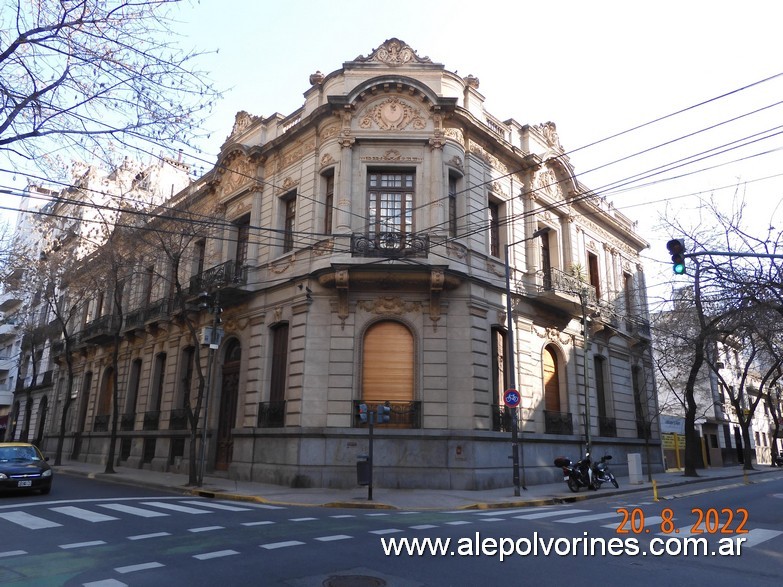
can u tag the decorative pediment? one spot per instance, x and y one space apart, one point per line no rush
393 52
240 171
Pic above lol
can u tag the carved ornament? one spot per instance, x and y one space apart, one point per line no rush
243 120
393 155
393 114
393 52
389 305
327 159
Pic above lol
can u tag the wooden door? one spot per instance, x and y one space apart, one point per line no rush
229 391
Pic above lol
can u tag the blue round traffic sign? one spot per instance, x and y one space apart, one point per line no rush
511 398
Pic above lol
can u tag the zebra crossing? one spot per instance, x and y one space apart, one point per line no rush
55 516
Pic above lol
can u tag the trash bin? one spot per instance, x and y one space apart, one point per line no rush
363 470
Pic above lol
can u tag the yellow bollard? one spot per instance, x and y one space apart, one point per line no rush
655 490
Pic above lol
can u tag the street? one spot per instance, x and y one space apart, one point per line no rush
93 533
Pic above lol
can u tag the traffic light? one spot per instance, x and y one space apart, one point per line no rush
676 248
384 414
363 413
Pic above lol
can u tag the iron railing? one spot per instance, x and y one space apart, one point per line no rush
271 414
502 418
402 414
151 420
559 281
101 423
607 426
390 244
227 273
558 422
178 419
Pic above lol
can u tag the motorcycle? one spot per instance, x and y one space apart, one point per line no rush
579 474
586 473
602 472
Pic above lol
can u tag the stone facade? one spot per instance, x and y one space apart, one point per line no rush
356 252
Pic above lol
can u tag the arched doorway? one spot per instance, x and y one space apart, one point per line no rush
229 392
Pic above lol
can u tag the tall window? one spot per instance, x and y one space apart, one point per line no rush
595 276
388 361
628 291
551 381
158 378
133 387
146 287
199 255
600 386
289 223
186 379
279 363
499 374
328 203
243 237
452 205
494 229
391 196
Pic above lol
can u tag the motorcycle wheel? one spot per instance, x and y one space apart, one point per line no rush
573 485
615 483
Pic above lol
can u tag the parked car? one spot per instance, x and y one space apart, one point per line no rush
23 467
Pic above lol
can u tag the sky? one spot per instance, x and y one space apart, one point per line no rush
596 69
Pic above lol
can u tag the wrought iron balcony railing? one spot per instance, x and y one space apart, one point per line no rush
607 426
558 422
228 273
101 423
178 419
555 280
151 420
271 414
390 244
502 417
402 415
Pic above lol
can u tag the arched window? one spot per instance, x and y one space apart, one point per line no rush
388 372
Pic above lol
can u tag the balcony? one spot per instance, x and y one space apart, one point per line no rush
101 330
127 422
390 245
558 422
402 415
563 290
228 277
271 415
8 329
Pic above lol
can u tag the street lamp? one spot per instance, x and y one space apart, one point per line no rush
214 341
516 449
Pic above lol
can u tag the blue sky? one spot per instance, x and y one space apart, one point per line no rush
596 69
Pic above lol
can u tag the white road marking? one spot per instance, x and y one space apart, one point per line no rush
592 518
457 523
216 554
262 523
423 527
12 553
146 536
135 568
648 522
302 519
343 516
287 543
82 514
106 583
134 511
218 506
757 536
549 514
385 531
28 521
176 508
82 544
333 538
206 529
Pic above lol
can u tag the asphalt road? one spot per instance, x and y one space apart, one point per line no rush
106 535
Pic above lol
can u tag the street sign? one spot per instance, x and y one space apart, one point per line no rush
511 398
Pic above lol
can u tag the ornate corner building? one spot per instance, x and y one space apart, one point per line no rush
357 253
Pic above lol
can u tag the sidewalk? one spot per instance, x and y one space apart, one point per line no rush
668 484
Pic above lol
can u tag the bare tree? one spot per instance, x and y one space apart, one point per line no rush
95 78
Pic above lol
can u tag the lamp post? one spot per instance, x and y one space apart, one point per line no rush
214 342
517 454
585 371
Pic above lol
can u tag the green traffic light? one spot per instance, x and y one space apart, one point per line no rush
679 268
